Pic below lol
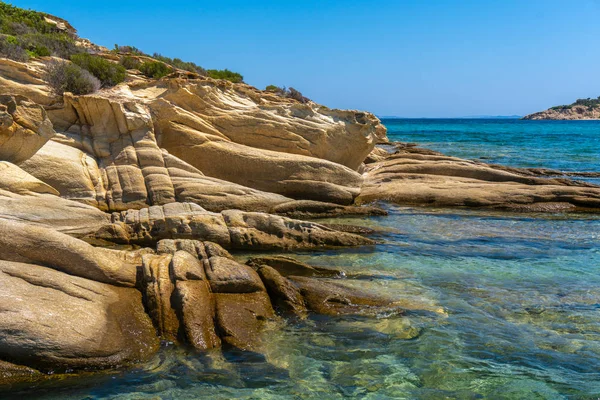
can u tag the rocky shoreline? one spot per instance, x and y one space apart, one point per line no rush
179 172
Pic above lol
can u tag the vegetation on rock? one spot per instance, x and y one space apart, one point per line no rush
27 34
107 72
155 69
589 103
225 74
63 76
178 63
130 62
290 93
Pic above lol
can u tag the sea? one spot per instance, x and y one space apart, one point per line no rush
498 305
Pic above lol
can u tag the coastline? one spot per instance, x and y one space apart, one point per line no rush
172 231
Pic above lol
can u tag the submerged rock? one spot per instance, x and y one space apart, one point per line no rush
332 298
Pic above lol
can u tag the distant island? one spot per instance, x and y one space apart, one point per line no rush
582 109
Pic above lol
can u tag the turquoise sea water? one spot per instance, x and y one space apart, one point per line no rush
571 146
500 305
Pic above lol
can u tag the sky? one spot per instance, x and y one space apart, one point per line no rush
417 58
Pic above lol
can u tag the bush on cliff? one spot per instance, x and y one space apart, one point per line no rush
34 36
290 93
225 74
155 69
178 63
63 76
128 49
130 62
109 73
9 48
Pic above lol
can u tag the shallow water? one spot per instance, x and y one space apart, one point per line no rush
499 305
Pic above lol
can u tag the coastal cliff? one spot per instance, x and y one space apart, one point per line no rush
582 109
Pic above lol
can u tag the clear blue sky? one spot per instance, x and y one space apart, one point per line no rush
433 58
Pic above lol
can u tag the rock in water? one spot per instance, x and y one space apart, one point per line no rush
410 178
55 322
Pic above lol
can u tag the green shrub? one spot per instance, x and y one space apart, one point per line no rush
16 21
130 62
179 63
64 77
109 73
225 74
274 89
128 49
155 69
57 44
34 35
12 50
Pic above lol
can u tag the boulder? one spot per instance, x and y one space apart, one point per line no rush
52 321
229 276
285 296
241 318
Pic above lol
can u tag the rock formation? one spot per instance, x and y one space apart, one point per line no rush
414 177
190 167
574 112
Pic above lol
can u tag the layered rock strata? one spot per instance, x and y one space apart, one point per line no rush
415 177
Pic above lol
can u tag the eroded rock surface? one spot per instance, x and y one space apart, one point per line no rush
24 128
413 178
54 321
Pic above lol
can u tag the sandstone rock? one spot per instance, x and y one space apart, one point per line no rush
301 209
179 296
54 321
26 79
231 229
229 276
291 175
288 266
107 143
196 303
266 232
157 287
40 245
241 318
423 179
13 179
244 115
331 298
285 296
24 128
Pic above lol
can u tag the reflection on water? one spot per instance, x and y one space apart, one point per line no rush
500 306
